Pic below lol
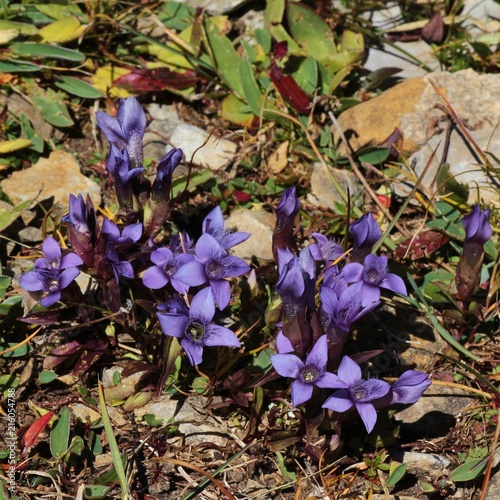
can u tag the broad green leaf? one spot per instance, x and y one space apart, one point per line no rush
469 470
45 51
75 448
62 30
52 107
14 145
273 14
23 28
307 75
7 35
310 31
29 132
199 385
397 474
176 15
4 284
226 60
22 350
287 473
9 66
264 39
152 421
11 306
96 491
78 87
47 376
250 88
373 156
236 111
449 187
59 10
59 435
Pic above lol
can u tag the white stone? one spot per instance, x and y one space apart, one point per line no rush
202 148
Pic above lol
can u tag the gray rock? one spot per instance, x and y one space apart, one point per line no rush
323 192
202 148
436 411
494 487
431 464
260 225
55 177
194 422
30 234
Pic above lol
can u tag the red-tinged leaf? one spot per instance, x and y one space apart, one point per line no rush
289 89
50 317
433 31
280 50
31 435
240 196
422 246
61 354
157 79
93 349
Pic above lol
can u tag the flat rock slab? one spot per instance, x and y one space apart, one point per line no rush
202 148
56 177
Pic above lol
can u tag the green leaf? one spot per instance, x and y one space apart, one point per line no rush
250 87
200 385
373 156
4 284
95 444
23 28
225 58
152 421
47 376
264 39
59 10
469 470
176 15
8 66
59 436
14 145
96 491
287 473
75 448
307 75
273 14
198 179
22 350
396 475
310 31
449 187
45 51
236 111
52 107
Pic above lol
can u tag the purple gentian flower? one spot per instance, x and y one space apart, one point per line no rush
477 226
164 271
119 167
365 233
409 387
212 265
282 344
52 273
341 311
164 171
213 224
194 328
372 276
126 131
325 249
358 392
288 207
307 374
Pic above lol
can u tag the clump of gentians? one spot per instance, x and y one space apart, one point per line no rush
137 254
477 232
313 332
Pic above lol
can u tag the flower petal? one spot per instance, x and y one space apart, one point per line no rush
202 306
368 414
369 294
287 365
319 354
349 371
161 256
194 351
221 290
51 249
192 273
111 229
132 232
394 283
67 276
111 129
340 401
283 345
173 325
155 278
301 392
219 336
373 389
207 248
71 260
330 381
31 281
50 298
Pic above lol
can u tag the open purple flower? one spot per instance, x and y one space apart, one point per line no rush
194 327
358 393
307 374
365 233
409 387
52 273
214 225
477 226
212 265
126 131
164 271
373 276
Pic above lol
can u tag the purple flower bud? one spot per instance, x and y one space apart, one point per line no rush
477 226
365 233
409 387
287 209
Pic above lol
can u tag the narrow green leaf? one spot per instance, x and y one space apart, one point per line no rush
59 435
225 58
273 14
397 475
23 28
60 10
96 491
250 87
21 351
45 51
8 66
78 87
469 470
113 445
307 75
